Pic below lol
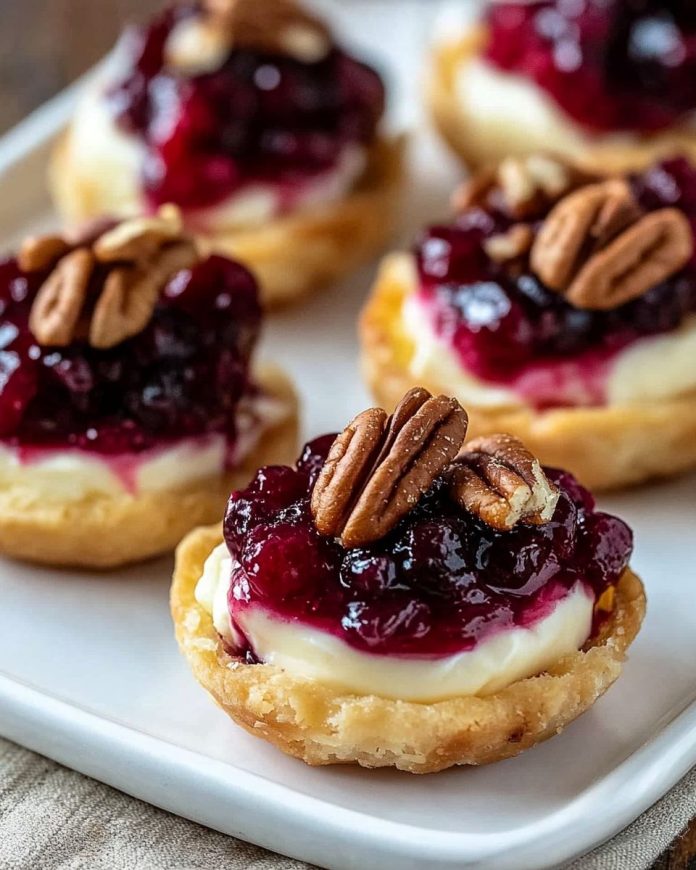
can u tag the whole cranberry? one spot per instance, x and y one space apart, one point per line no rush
433 557
608 544
566 482
272 489
214 285
313 456
525 563
365 573
394 623
283 560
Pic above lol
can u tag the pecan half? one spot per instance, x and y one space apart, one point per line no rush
520 186
498 480
139 238
136 258
58 304
510 245
197 45
659 245
276 26
597 247
40 252
578 225
126 303
378 468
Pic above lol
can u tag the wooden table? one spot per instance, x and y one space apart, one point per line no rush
44 45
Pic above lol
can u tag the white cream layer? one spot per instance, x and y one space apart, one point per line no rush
66 475
654 368
255 204
501 104
494 663
101 150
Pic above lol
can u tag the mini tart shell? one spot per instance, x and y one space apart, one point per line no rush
606 447
292 255
321 724
478 144
105 531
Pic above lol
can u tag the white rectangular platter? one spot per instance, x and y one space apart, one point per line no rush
90 674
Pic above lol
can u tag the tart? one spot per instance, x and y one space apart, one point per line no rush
251 119
128 401
609 82
391 601
558 305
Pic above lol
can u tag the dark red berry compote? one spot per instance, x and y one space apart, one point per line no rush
440 583
252 116
507 329
610 65
182 378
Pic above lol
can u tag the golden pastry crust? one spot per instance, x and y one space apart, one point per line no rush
478 144
292 255
105 531
323 725
605 447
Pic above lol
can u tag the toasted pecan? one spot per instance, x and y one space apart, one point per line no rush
498 480
577 226
599 249
139 238
347 467
653 249
520 186
378 468
275 26
136 258
510 245
39 252
130 293
59 302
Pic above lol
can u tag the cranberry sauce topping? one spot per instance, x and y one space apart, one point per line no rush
439 582
507 327
258 118
609 64
183 375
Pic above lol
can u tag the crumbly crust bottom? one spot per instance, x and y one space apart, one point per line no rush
321 724
477 145
291 256
605 447
103 531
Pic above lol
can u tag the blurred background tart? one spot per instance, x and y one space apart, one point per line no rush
558 306
129 401
248 116
612 82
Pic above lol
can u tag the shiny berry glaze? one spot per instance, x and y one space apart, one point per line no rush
259 118
609 64
182 376
439 582
507 327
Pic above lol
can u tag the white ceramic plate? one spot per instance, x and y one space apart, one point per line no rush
90 674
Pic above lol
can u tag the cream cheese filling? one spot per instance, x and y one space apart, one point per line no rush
60 475
305 651
500 104
106 160
653 368
255 204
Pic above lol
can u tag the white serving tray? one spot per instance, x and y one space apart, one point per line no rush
90 674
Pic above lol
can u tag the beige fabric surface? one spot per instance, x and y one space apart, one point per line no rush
52 818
